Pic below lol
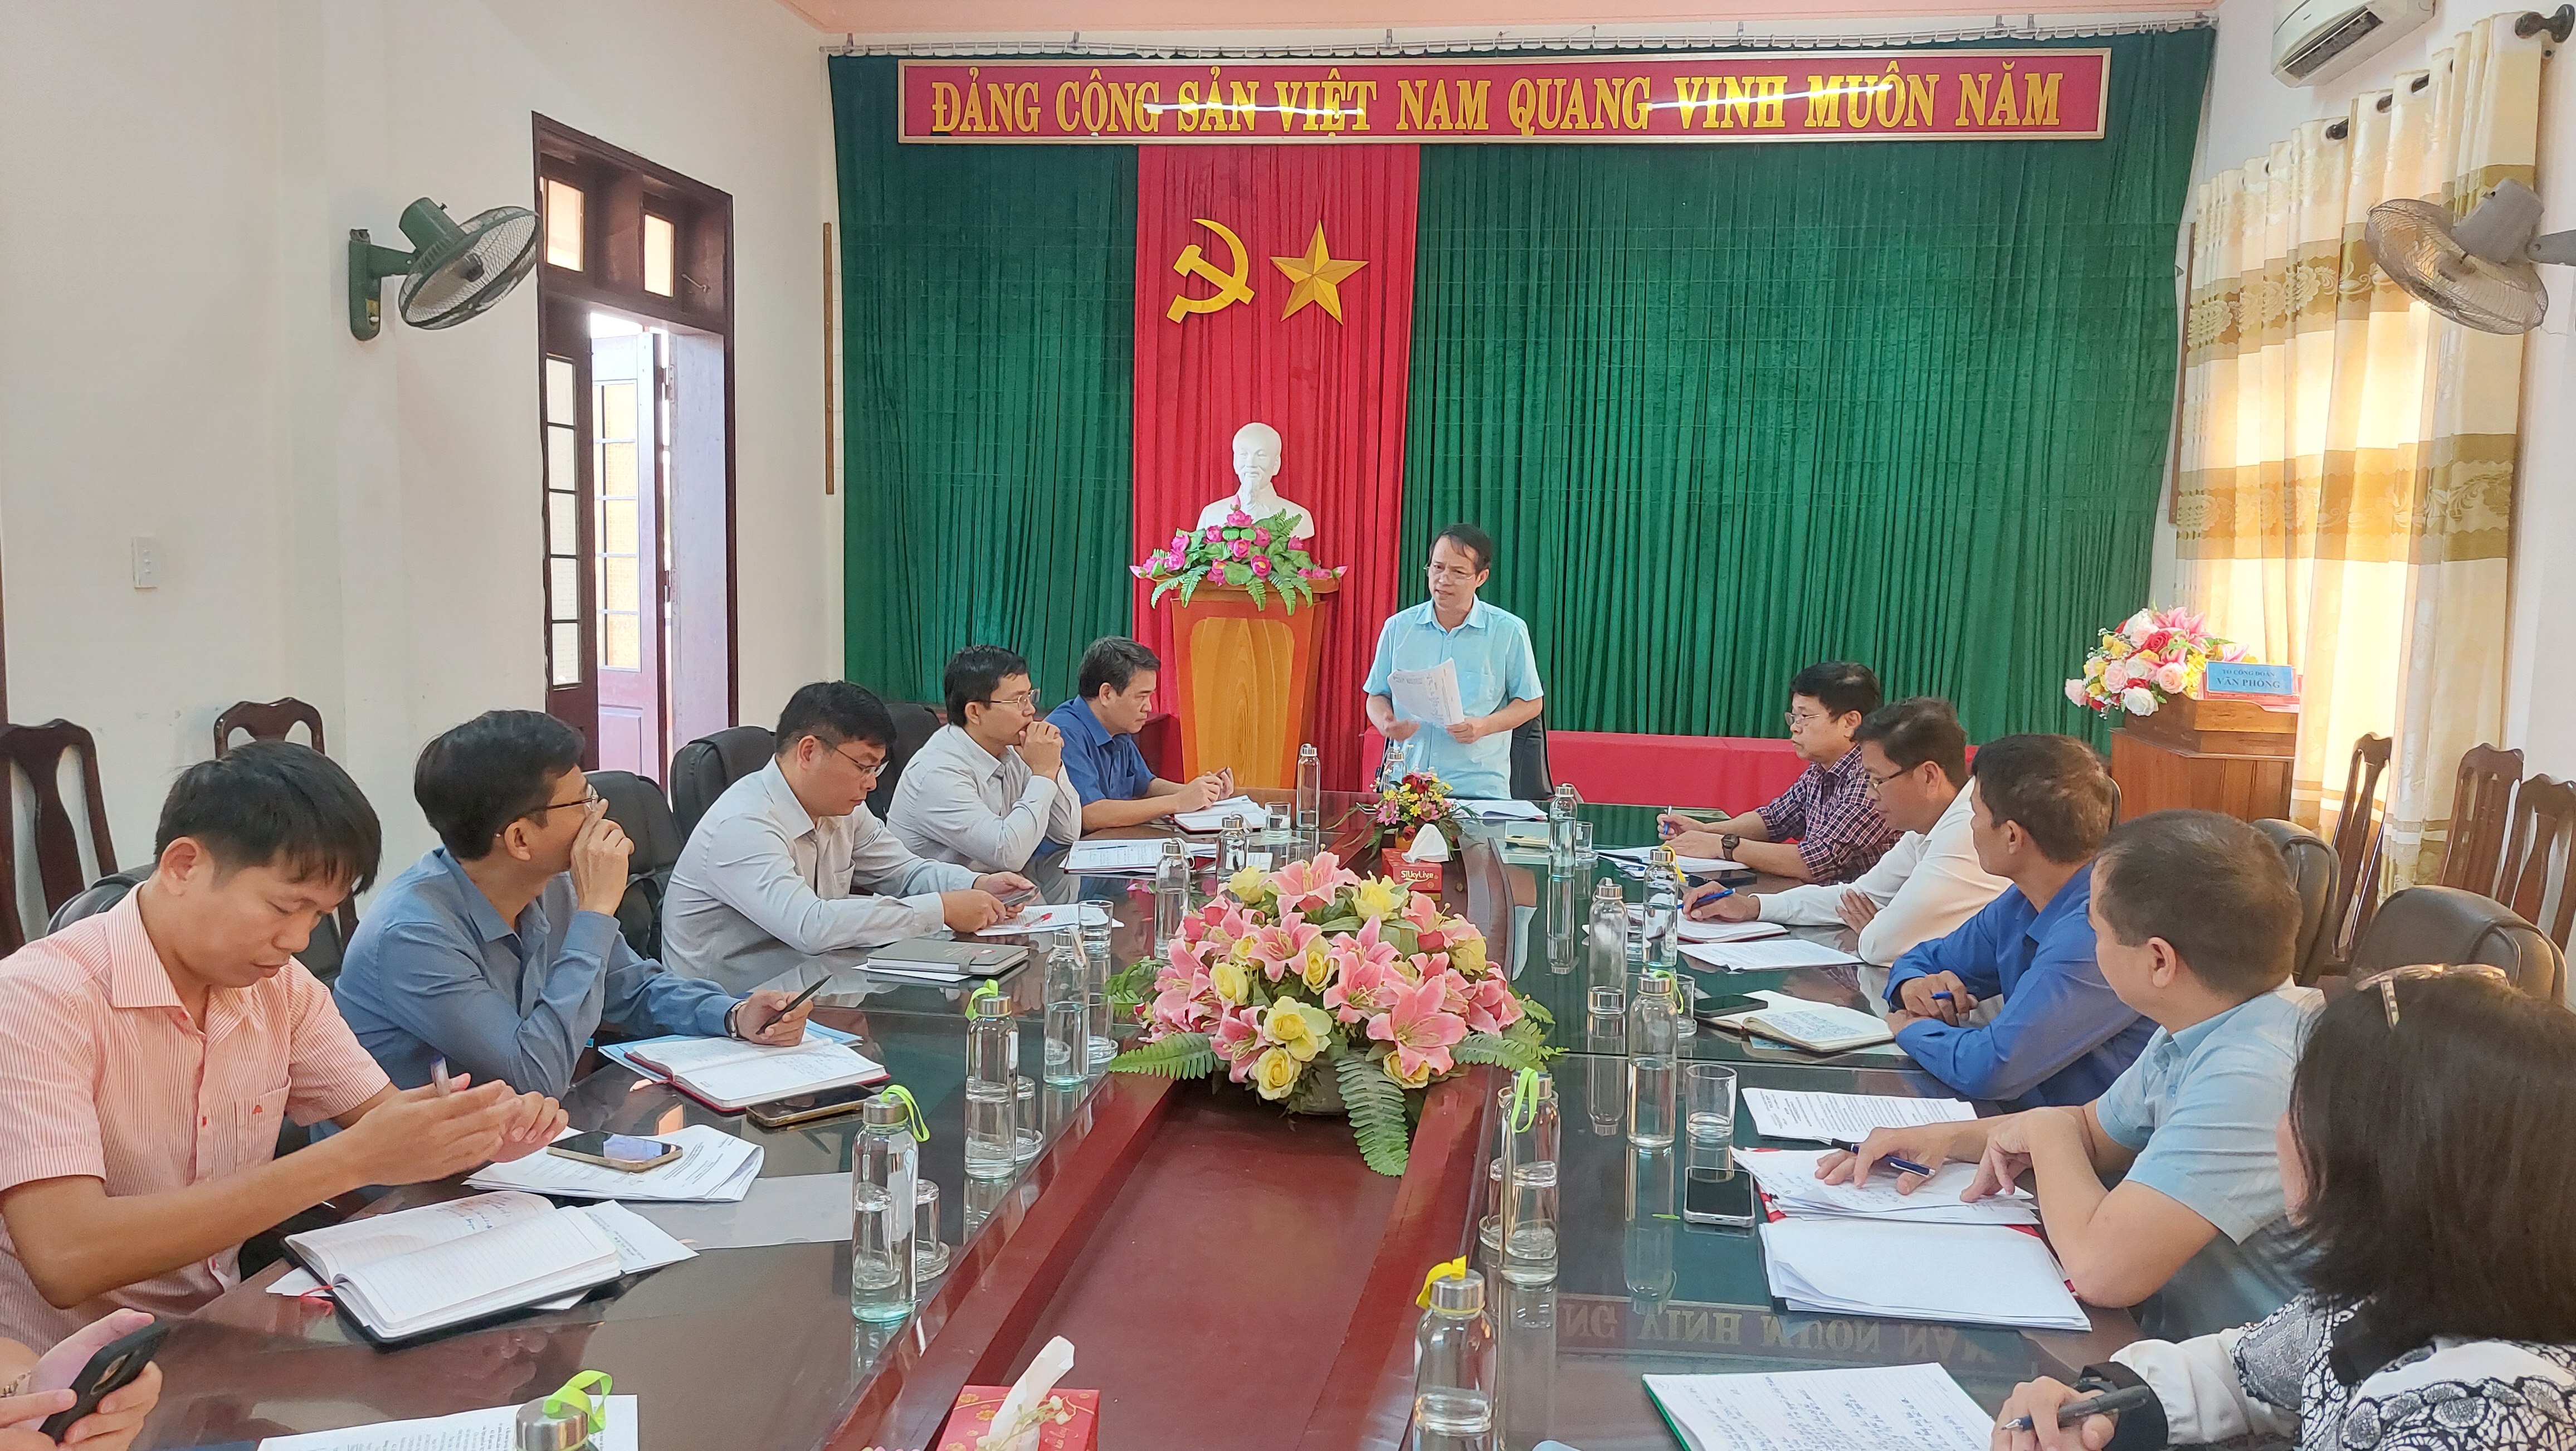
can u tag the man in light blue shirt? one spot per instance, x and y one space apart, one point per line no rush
500 951
2043 805
1498 685
2195 922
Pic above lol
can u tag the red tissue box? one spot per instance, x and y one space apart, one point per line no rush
973 1417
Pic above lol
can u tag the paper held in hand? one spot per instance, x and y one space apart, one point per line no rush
1429 696
1825 1118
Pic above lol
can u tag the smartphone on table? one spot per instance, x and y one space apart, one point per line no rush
627 1155
807 1107
1719 1195
1716 1009
112 1369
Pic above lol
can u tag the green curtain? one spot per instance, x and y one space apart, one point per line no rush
1728 410
987 307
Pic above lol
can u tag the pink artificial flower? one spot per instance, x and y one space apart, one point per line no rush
1311 883
1422 912
1431 967
1491 1007
1138 570
2115 676
1180 540
1239 549
1212 534
1421 1032
1282 949
1236 518
1184 1005
1261 568
1261 536
2172 677
1237 1041
1364 975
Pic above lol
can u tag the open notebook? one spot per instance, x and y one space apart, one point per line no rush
1813 1026
442 1265
727 1074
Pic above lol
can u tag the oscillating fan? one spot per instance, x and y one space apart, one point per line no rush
2479 271
457 271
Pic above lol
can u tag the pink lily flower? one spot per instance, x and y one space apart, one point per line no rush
1491 1007
1237 1041
1281 949
1421 1032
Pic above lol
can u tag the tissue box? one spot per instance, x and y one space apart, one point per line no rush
1419 876
1074 1423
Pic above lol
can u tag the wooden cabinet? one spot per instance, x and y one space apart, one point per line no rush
2226 756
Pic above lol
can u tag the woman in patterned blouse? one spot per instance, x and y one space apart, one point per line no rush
2429 1157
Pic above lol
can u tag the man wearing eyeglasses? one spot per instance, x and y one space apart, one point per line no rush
989 789
500 950
790 863
1827 827
1489 648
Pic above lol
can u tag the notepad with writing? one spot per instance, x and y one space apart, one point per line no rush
726 1074
1873 1408
408 1273
1817 1027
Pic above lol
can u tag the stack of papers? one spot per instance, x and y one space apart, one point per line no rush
1429 696
623 1054
407 1273
1902 1270
1875 1408
492 1430
713 1165
1775 953
1255 816
1844 1118
1114 856
1485 809
1789 1177
1049 917
1642 856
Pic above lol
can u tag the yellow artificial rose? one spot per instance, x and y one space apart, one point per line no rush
1377 897
1394 1069
1317 968
1274 1073
1467 955
1241 952
2094 667
1249 886
1298 1028
1233 985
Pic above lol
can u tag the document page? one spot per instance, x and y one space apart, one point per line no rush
342 1247
1768 954
1782 1113
1889 1408
1118 854
517 1264
1789 1176
492 1430
778 1072
1429 696
713 1164
1049 917
1255 817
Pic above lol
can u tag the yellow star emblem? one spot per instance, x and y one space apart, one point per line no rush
1317 275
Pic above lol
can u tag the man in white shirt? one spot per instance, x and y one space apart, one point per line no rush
789 862
990 789
1916 757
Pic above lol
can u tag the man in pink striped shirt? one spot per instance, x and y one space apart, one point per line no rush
148 1056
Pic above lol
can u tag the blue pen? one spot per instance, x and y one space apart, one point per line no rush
1907 1166
1943 997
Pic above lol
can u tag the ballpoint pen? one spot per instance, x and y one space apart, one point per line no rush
1902 1165
2109 1403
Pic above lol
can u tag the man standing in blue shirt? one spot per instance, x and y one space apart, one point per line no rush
499 951
1498 685
2043 806
1116 681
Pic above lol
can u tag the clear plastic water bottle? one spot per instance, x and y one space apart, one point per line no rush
1097 968
1171 891
1531 1133
1654 1069
1234 847
1453 1369
1560 828
1606 939
992 1108
1310 796
1068 1016
884 1166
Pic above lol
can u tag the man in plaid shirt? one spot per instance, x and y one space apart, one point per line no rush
1827 826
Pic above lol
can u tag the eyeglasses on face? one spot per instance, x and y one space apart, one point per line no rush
1025 700
587 796
1882 782
1449 572
1797 718
869 769
2387 981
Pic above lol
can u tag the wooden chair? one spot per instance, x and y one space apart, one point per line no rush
2360 846
271 722
2540 851
2479 803
56 829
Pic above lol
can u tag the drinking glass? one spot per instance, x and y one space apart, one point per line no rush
1708 1097
929 1255
1283 824
1584 853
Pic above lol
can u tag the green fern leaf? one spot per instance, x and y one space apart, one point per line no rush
1255 588
1182 1055
1377 1113
1497 1050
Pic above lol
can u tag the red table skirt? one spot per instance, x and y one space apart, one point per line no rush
1705 773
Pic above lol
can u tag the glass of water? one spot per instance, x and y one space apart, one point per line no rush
1584 853
929 1255
1708 1104
1282 828
1097 970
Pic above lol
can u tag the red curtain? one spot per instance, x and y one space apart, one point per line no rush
1334 390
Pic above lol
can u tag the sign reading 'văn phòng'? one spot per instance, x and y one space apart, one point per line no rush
1909 95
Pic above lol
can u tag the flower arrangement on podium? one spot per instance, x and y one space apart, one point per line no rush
1258 556
2148 659
1321 989
1401 811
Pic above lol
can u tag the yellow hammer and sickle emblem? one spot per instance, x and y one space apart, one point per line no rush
1231 287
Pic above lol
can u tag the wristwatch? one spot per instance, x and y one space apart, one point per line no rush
1728 844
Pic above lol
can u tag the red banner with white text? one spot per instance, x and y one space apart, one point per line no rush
1276 286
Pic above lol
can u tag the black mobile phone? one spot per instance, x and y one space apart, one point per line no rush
112 1369
807 1107
1714 1008
615 1151
1717 1196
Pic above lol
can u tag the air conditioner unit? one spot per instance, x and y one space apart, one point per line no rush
2316 40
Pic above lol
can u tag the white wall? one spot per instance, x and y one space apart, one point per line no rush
355 524
2248 111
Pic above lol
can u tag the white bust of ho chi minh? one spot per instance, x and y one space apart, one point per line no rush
1256 462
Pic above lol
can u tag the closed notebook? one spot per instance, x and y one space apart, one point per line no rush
726 1074
441 1265
940 957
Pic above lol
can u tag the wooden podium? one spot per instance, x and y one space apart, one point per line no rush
2228 756
1247 678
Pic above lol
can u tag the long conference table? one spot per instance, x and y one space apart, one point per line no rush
1229 1276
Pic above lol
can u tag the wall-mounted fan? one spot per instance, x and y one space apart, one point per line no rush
2480 271
455 273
